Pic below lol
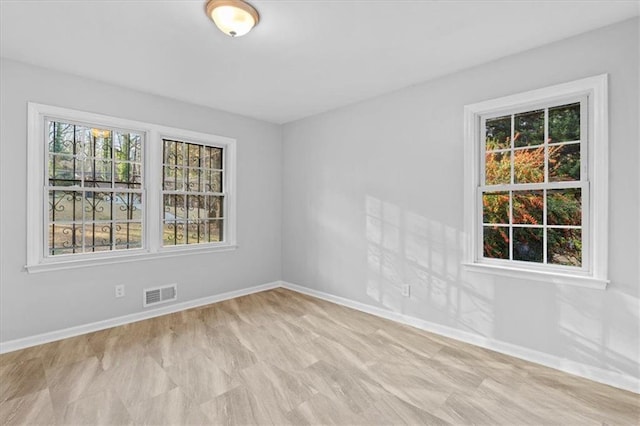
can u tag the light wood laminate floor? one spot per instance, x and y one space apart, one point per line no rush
279 357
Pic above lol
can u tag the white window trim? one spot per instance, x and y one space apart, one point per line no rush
595 88
152 167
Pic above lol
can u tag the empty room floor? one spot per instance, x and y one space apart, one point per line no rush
280 357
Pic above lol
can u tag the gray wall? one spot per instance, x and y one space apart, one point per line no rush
373 199
42 302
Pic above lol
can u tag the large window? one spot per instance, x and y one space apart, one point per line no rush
532 185
94 189
192 193
103 189
537 183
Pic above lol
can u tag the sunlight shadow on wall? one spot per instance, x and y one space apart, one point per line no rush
406 248
585 331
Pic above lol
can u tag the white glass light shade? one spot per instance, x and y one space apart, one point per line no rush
233 17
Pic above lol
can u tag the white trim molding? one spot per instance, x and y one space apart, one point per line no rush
594 183
52 336
597 374
612 378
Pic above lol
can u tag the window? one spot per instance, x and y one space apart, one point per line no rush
192 193
94 189
536 184
103 189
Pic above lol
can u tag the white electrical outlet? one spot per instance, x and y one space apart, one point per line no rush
406 290
120 290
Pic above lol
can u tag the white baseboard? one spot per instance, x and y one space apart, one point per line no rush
14 345
596 374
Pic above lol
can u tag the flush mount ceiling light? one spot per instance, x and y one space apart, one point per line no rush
233 17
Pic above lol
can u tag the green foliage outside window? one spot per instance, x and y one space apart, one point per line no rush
514 219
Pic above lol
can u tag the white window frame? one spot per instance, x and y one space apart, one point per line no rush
153 135
594 182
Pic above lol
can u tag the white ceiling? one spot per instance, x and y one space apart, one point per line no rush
304 57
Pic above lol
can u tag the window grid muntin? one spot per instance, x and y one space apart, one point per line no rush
181 161
582 183
49 246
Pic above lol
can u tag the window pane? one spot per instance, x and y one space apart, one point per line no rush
529 128
65 206
564 246
173 233
214 207
178 154
174 207
127 147
195 206
61 138
196 233
495 207
65 239
173 179
212 181
564 206
564 123
564 162
97 237
63 167
173 153
127 173
193 154
97 142
97 173
192 182
497 168
128 235
102 145
215 230
527 244
528 207
212 158
495 242
128 206
97 205
84 141
528 166
498 133
169 155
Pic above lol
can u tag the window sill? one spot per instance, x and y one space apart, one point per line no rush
124 258
550 277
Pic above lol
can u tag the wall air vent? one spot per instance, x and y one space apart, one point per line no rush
156 295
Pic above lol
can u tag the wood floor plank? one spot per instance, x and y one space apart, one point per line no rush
31 409
390 410
71 382
104 408
323 410
200 378
20 378
236 407
169 408
283 389
280 357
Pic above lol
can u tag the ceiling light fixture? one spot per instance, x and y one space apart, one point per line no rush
233 17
